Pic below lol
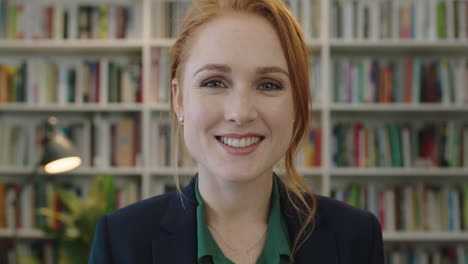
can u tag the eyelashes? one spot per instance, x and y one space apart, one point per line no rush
213 82
264 84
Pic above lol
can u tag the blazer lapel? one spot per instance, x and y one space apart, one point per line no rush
320 246
177 241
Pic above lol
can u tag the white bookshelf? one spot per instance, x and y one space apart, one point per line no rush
444 237
400 172
324 112
399 44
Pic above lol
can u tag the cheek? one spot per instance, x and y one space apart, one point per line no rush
279 118
201 111
200 116
284 116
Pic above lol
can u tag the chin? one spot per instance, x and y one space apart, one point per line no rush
237 175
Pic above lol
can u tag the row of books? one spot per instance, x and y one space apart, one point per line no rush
315 78
42 20
167 17
44 195
396 19
71 81
453 254
411 207
161 148
408 80
117 142
308 13
400 144
103 142
160 76
310 154
26 251
22 141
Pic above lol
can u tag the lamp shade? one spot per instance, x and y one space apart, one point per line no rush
59 153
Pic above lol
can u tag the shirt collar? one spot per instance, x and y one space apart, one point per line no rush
277 241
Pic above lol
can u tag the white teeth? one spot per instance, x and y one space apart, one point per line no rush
240 143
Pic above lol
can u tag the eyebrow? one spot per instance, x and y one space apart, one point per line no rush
226 69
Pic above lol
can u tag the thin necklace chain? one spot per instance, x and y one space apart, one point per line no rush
236 251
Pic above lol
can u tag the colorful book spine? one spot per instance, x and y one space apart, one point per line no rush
411 80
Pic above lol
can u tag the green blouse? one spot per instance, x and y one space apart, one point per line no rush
276 248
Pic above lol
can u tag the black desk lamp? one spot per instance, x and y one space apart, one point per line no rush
59 155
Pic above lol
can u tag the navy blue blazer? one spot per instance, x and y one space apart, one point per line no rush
163 230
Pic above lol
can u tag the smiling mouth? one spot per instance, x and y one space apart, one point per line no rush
240 142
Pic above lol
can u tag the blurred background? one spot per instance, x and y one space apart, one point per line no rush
389 134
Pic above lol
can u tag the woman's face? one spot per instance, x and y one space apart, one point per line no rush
237 98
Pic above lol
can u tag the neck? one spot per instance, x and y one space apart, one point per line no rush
236 203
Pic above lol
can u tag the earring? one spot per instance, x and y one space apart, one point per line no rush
181 120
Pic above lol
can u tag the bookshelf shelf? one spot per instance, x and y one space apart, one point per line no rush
123 171
24 234
71 45
85 107
400 172
311 171
317 107
425 237
399 45
162 43
314 42
163 107
82 171
13 171
398 107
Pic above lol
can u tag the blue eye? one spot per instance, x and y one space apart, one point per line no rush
270 86
212 83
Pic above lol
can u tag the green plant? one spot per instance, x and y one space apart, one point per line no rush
80 218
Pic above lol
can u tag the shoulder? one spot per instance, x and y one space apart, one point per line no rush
330 215
347 223
145 208
357 232
339 215
344 219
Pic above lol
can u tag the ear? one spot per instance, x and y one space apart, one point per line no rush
177 98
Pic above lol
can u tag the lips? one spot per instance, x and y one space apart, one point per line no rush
240 140
238 144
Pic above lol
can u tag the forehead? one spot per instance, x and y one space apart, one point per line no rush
242 41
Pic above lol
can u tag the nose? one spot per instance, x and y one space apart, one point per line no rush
240 107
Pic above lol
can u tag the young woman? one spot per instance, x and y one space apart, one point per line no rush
240 98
